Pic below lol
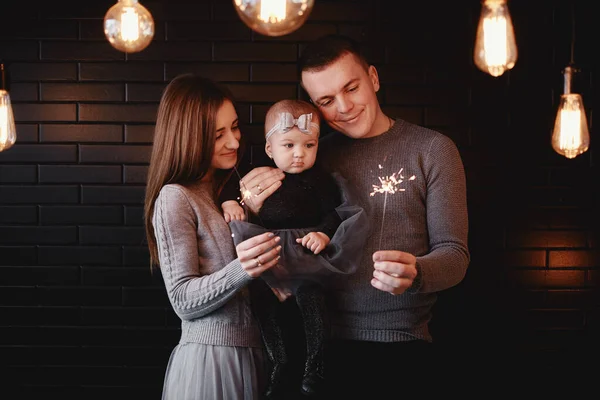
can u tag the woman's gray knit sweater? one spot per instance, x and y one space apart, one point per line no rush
205 282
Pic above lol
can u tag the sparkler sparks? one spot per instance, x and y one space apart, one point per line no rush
389 184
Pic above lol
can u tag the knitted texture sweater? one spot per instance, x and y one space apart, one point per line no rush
428 219
204 279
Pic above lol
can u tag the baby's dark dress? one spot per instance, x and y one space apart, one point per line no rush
311 201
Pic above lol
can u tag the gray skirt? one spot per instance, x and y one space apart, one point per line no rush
206 372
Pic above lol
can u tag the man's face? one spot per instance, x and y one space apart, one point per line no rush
345 93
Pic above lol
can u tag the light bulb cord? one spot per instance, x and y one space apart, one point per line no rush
572 34
2 77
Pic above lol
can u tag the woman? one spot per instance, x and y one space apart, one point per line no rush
196 145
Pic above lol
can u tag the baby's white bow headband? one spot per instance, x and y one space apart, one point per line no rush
287 122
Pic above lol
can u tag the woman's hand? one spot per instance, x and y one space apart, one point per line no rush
260 183
259 253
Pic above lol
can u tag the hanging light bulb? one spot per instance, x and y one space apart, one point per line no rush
273 17
570 137
8 132
129 26
495 46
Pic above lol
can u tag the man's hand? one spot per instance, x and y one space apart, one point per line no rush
258 184
314 241
394 271
232 211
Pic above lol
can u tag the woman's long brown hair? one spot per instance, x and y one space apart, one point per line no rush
184 140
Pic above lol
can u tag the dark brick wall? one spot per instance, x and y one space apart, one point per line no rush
80 314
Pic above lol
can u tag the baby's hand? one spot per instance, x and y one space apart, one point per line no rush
233 211
314 241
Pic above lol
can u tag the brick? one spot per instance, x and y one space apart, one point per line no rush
43 71
39 153
27 133
275 72
145 297
207 31
262 93
524 258
277 52
18 296
81 133
39 29
133 173
115 154
134 216
83 51
79 255
113 194
18 174
547 239
574 258
122 72
145 92
556 319
18 215
23 92
38 235
101 276
117 113
136 256
341 11
410 95
44 112
222 72
82 92
101 235
17 255
38 194
139 133
80 174
81 215
174 51
22 50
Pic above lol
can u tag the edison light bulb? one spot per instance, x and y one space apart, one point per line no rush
495 46
570 137
129 26
273 17
8 132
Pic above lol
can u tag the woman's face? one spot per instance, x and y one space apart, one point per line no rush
227 138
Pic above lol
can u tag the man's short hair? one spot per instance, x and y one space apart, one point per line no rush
324 51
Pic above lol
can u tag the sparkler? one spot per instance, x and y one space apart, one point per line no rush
389 184
246 195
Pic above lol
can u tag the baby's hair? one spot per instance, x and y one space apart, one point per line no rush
294 107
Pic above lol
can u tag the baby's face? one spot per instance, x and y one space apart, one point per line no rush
293 151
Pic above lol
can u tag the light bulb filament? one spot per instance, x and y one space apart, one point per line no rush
130 21
272 11
494 37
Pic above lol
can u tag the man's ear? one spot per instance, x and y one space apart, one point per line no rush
374 77
268 149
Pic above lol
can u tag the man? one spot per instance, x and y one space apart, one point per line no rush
418 245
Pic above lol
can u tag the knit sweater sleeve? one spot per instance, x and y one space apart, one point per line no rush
194 290
447 219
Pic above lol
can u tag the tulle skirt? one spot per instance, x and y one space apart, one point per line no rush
298 264
205 372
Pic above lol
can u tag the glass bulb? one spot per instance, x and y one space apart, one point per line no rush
570 137
8 132
129 26
495 47
273 17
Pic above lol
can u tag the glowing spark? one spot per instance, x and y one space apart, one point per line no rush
389 184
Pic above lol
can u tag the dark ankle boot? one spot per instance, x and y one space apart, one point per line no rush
266 308
312 306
